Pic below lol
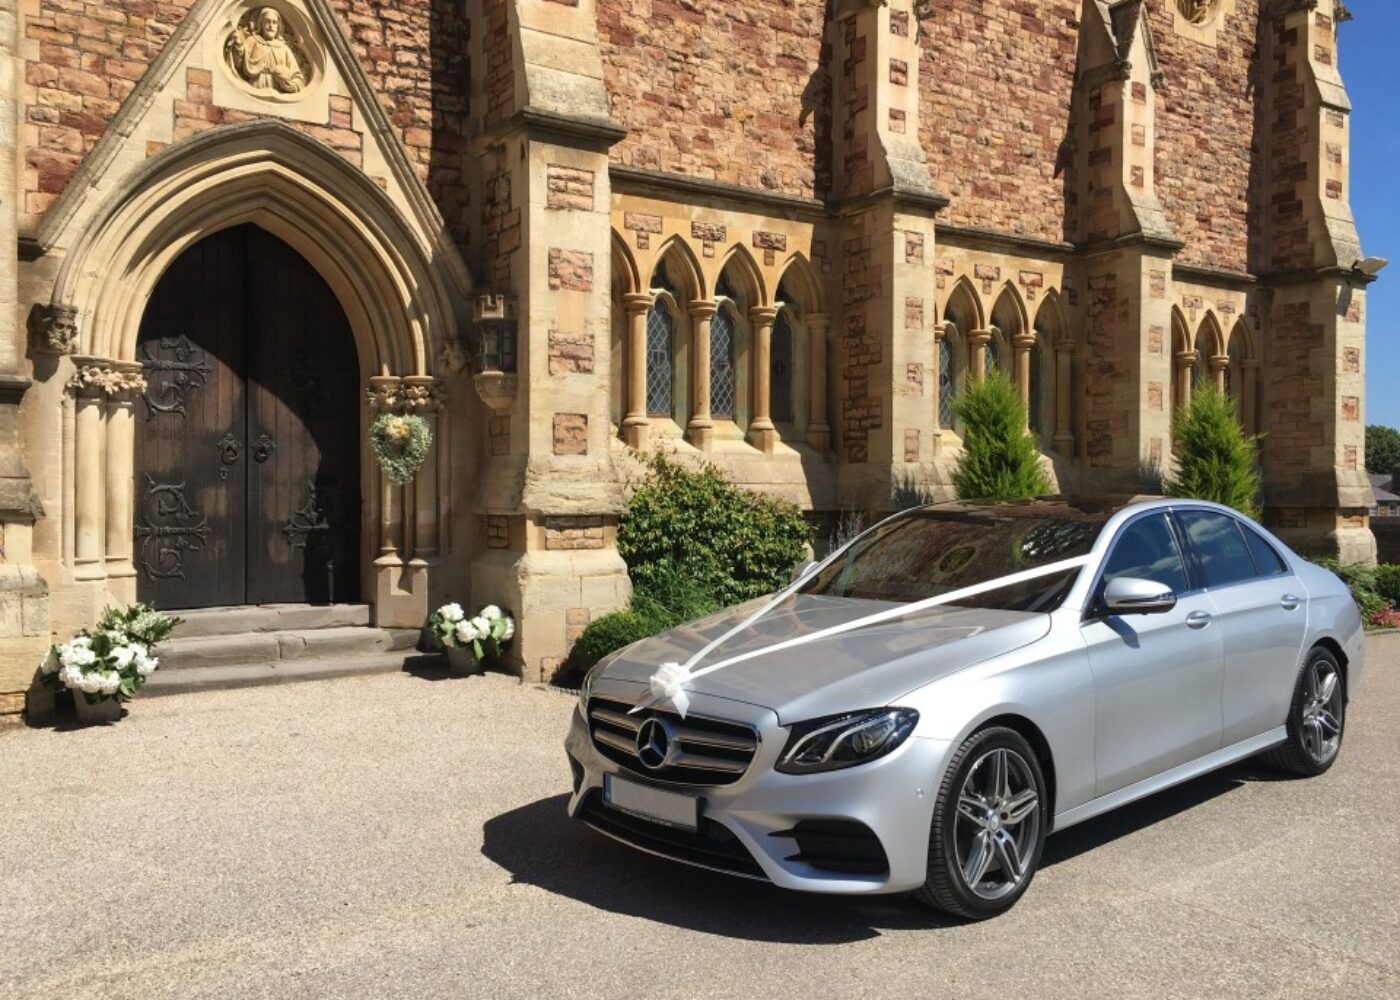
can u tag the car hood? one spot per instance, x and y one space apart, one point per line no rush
864 667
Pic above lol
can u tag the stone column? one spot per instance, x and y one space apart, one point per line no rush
977 342
125 385
701 428
89 388
1249 388
1219 365
1022 344
762 434
1064 401
818 429
1185 365
425 397
635 424
385 396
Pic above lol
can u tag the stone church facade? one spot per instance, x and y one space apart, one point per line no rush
775 235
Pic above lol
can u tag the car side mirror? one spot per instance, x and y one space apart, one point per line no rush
1129 595
802 570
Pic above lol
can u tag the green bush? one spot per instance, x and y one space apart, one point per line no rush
693 544
1215 460
1000 460
1363 582
1382 449
1388 583
603 636
730 543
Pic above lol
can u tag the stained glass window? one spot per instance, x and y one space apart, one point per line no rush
1034 402
722 343
660 359
780 369
946 381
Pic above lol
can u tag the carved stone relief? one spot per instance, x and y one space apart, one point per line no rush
265 54
54 328
1198 11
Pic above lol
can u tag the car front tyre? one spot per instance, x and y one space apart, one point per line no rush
1316 718
989 824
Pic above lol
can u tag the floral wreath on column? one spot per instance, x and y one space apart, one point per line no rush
400 442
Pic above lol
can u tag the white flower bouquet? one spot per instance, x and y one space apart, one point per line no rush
485 634
112 660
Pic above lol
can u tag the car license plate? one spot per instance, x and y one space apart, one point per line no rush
671 808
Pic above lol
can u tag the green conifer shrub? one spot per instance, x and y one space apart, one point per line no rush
1215 459
1000 460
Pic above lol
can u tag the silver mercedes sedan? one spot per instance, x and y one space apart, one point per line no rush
918 711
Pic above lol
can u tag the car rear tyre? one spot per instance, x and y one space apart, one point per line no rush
989 824
1316 718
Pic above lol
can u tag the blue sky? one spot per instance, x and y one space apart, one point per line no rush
1368 60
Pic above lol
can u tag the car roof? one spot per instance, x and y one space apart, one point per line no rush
1090 508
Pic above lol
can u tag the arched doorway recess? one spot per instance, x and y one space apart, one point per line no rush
247 459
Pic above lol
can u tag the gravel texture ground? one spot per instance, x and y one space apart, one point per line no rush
396 836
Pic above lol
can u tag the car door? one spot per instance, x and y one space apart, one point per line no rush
1157 677
1262 617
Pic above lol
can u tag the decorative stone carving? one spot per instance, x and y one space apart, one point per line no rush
95 377
1198 11
54 328
264 53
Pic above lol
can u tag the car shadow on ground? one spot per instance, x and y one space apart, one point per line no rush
540 846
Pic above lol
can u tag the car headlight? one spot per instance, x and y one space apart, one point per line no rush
837 741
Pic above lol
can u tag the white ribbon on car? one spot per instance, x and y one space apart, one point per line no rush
669 681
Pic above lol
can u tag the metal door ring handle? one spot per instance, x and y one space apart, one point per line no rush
263 448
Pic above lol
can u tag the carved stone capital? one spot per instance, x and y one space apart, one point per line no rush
384 394
423 394
53 329
95 378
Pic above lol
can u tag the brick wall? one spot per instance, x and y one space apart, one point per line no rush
997 77
716 89
91 54
1205 123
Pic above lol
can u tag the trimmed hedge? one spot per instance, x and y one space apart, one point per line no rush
1215 459
1000 460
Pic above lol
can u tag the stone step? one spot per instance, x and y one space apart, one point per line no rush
211 651
315 668
268 618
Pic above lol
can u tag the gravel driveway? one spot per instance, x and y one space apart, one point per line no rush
397 836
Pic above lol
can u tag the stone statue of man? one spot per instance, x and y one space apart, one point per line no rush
262 55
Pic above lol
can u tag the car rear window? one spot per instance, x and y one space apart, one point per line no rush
1266 558
928 552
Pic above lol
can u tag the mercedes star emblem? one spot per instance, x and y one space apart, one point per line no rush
654 743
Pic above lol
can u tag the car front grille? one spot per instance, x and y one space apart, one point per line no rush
712 846
702 751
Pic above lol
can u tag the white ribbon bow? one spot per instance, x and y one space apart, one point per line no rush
668 683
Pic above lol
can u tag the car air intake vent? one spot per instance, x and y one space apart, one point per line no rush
664 747
838 845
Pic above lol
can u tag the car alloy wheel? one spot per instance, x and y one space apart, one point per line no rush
988 826
1317 718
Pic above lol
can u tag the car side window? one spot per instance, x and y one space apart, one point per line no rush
1147 550
1266 558
1218 547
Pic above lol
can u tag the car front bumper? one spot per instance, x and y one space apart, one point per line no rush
893 797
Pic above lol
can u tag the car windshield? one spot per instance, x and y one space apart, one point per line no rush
930 551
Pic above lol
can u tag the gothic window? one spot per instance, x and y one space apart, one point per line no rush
946 380
661 367
780 369
993 356
723 337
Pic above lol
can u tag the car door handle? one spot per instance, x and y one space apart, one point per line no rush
1198 619
1289 602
